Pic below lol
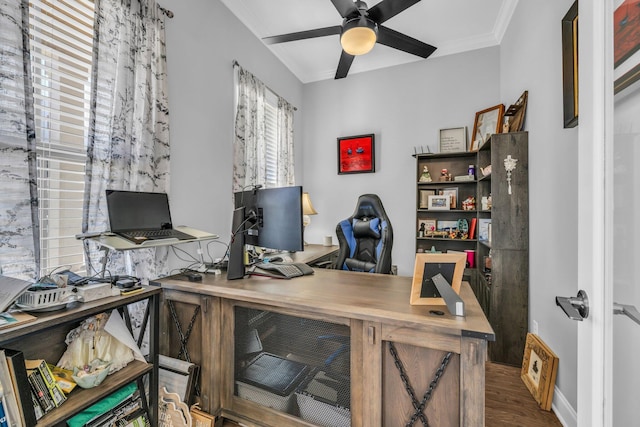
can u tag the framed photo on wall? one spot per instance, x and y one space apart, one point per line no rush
356 154
626 45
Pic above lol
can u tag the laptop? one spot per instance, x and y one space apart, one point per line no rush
141 217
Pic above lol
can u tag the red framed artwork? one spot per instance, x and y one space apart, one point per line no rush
356 154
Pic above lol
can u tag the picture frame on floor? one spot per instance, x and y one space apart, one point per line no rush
539 370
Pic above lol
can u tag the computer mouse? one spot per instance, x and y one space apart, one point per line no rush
276 259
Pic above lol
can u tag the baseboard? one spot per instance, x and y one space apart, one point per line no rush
563 410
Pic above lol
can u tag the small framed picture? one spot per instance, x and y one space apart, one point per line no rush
356 154
439 203
423 202
487 123
427 265
453 140
453 194
539 370
426 227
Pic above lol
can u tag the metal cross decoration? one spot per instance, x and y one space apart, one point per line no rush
510 165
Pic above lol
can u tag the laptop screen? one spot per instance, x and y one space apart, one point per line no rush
133 210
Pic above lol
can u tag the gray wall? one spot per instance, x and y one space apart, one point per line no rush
530 59
404 106
203 39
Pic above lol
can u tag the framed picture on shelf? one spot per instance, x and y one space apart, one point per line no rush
427 227
427 265
453 140
539 370
453 195
439 203
423 202
356 154
484 225
447 225
487 123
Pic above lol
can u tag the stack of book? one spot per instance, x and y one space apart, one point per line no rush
48 393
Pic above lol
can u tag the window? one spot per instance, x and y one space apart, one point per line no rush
61 37
271 140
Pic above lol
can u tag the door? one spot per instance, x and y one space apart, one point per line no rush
594 247
625 158
609 152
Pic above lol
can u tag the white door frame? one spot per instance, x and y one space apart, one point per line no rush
595 203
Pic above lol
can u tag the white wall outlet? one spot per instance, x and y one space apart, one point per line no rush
534 327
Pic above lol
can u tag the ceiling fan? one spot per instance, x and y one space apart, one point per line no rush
361 29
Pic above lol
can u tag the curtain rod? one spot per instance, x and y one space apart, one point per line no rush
237 64
167 12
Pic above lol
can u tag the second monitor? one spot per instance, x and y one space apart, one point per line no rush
269 218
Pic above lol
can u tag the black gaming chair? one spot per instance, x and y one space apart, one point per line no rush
365 238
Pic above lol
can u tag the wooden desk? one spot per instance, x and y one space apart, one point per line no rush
376 310
313 254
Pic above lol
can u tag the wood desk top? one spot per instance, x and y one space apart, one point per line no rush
363 296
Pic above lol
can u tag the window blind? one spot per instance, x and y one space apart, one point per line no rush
61 37
271 140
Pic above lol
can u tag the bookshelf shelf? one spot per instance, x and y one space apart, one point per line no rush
44 339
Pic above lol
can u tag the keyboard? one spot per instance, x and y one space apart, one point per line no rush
284 270
139 236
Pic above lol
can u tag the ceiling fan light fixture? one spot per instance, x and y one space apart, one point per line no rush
359 35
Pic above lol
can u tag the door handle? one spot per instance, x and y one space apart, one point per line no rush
628 310
576 308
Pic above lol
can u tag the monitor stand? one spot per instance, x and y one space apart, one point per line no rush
235 268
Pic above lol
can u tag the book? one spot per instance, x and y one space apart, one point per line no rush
15 318
40 390
64 378
18 372
37 409
8 396
52 386
472 228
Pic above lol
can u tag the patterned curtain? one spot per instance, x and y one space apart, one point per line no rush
19 229
286 175
248 148
128 147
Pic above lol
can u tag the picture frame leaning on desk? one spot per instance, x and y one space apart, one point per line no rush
428 265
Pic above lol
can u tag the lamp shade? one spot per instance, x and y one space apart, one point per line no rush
307 206
359 35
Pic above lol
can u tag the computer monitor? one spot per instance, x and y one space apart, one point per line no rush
269 218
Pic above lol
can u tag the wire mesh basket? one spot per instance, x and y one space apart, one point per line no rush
44 298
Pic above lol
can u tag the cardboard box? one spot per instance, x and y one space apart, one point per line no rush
96 291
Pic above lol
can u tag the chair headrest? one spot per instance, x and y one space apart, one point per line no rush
366 227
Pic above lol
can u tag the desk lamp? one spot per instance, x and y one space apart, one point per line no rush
307 209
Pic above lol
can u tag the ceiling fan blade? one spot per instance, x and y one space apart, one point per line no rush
345 7
344 65
301 35
387 9
396 40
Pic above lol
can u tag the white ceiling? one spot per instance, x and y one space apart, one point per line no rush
453 26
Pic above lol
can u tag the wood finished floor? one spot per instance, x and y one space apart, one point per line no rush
508 401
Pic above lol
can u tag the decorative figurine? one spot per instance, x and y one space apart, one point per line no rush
444 175
426 176
510 165
421 230
469 204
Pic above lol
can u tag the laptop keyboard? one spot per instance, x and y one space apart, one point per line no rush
151 233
